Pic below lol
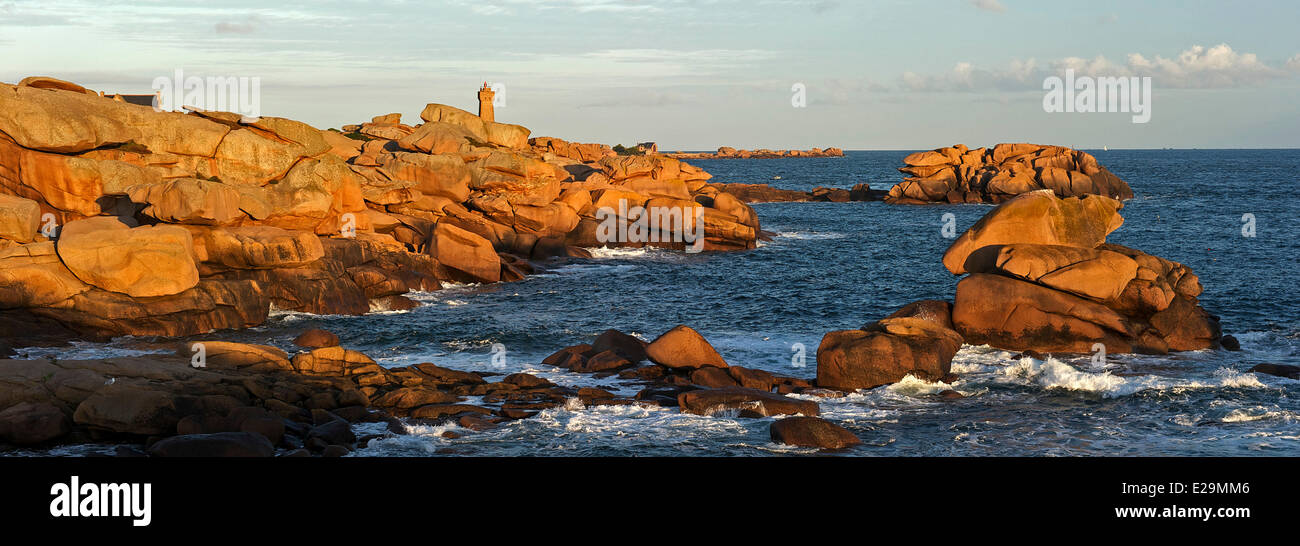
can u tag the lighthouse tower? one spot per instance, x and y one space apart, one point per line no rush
485 96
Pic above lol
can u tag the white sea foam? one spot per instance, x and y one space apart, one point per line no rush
289 315
1055 374
377 308
619 252
1257 413
912 386
622 423
968 367
450 286
811 235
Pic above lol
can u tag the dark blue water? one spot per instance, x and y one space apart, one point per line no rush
841 265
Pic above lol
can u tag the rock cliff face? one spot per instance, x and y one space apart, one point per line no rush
118 219
958 174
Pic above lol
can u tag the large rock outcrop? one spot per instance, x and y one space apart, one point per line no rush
1042 277
958 174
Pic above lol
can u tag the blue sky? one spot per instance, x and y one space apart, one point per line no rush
701 74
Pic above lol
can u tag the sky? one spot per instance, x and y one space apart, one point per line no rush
696 75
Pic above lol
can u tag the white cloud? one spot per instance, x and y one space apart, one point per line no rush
491 9
32 16
1197 67
1293 64
965 76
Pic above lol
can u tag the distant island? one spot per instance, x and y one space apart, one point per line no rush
727 152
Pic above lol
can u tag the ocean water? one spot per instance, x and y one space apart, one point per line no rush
841 265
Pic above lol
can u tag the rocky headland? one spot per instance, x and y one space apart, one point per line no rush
117 219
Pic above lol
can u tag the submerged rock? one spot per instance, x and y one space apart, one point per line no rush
812 432
1280 370
749 403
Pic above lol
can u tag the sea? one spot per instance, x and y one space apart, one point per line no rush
1231 215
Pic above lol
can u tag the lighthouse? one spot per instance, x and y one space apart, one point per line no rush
485 96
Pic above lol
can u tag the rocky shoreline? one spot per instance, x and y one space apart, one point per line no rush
1047 254
256 400
183 225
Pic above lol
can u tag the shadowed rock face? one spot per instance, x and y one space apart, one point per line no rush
175 224
958 174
